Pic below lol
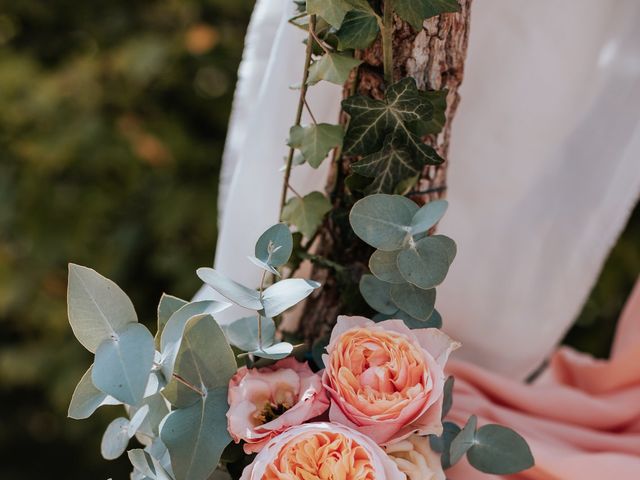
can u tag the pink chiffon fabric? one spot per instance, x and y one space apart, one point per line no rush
581 417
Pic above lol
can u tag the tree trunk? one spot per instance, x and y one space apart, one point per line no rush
435 57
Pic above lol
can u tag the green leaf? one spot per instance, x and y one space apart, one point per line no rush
285 294
434 320
264 266
204 361
358 30
435 124
87 398
463 441
115 439
197 435
361 6
388 167
442 444
382 220
168 306
499 450
428 216
316 141
306 213
332 67
275 245
97 306
138 417
333 11
243 333
377 294
416 302
384 265
274 352
158 409
318 349
123 364
239 294
417 11
447 396
142 462
401 114
426 263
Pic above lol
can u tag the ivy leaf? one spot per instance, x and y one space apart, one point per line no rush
388 167
499 450
417 11
306 213
358 30
333 11
434 125
316 141
401 114
361 6
332 67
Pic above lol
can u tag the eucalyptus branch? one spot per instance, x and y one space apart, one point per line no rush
387 42
301 101
264 275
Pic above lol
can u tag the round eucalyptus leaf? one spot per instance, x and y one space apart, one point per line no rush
275 245
415 301
377 294
137 419
87 398
123 364
285 294
384 265
243 333
428 216
434 321
442 444
425 264
97 307
115 439
383 221
499 450
274 352
237 293
463 441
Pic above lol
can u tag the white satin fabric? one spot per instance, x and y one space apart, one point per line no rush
545 164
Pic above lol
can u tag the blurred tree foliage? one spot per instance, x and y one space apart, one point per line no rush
112 120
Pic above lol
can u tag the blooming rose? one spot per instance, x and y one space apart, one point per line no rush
384 379
264 402
415 459
322 451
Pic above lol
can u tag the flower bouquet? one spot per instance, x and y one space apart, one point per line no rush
246 399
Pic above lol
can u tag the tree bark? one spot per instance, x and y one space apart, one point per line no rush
434 57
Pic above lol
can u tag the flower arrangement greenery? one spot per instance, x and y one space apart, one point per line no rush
237 400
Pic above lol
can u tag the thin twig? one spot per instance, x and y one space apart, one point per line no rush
295 192
188 385
313 118
320 42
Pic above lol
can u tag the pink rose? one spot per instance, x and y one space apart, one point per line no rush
322 451
264 402
384 379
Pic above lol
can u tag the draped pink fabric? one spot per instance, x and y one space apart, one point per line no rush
581 417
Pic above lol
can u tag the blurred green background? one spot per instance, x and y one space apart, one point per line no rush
112 120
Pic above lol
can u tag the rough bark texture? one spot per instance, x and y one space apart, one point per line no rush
435 57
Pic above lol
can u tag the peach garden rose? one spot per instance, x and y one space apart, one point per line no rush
322 451
264 402
385 380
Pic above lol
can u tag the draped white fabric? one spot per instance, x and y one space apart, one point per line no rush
545 164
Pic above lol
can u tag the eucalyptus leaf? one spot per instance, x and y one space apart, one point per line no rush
417 11
428 216
382 220
434 320
285 294
97 307
115 439
239 294
388 167
463 441
265 266
243 333
377 294
123 364
275 245
426 263
306 213
87 398
384 265
136 420
318 349
499 450
158 410
416 302
316 141
204 361
274 352
332 67
168 306
358 30
333 11
447 396
197 435
442 444
142 462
